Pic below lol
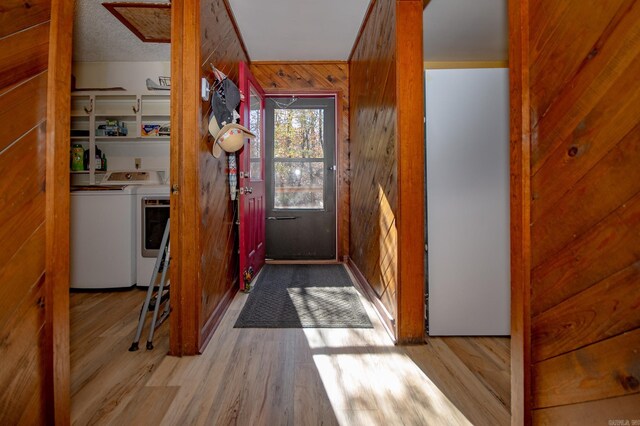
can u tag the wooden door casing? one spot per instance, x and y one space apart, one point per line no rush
318 79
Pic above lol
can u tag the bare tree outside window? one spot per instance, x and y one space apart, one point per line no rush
299 158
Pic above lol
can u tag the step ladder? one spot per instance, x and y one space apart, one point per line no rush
157 294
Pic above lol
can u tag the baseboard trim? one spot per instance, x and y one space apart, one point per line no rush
214 320
385 317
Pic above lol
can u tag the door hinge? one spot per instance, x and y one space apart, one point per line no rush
175 189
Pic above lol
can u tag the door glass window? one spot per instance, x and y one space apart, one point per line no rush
298 161
255 125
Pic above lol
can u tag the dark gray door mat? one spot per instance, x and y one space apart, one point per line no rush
303 296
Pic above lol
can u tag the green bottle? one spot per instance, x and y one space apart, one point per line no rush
76 157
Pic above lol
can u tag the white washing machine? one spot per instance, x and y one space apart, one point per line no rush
152 214
102 237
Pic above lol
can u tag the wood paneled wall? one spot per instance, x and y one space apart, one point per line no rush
207 273
222 47
387 163
583 95
318 77
33 157
374 183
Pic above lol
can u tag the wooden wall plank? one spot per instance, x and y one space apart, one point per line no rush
592 413
21 195
604 310
22 375
20 274
608 122
23 54
22 108
608 247
567 34
607 369
613 53
318 77
609 183
17 15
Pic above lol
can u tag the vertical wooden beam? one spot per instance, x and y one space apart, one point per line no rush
410 173
57 368
185 113
175 272
520 148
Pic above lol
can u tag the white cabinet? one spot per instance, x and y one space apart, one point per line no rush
90 110
103 239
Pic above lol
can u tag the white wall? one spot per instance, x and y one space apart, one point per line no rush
130 75
467 148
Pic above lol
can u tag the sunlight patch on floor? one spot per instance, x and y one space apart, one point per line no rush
371 383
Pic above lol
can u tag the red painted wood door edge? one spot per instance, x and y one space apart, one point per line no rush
251 204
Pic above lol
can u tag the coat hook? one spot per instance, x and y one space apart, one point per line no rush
90 109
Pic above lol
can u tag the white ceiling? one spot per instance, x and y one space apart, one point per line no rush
299 30
306 30
99 36
466 30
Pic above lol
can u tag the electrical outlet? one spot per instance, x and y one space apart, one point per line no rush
138 163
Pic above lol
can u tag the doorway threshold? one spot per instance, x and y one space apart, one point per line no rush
303 262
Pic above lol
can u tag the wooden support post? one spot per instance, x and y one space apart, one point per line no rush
410 172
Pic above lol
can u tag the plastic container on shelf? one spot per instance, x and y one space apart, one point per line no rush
77 157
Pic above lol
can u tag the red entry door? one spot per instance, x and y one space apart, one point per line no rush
251 177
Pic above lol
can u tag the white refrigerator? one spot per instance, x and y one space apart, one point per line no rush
467 182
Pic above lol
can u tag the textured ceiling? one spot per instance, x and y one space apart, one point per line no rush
466 30
299 30
99 36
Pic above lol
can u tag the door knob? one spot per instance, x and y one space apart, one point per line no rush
246 190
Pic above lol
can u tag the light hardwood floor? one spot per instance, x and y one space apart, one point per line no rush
278 376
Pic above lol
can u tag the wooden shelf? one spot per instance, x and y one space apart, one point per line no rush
132 138
134 142
135 109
